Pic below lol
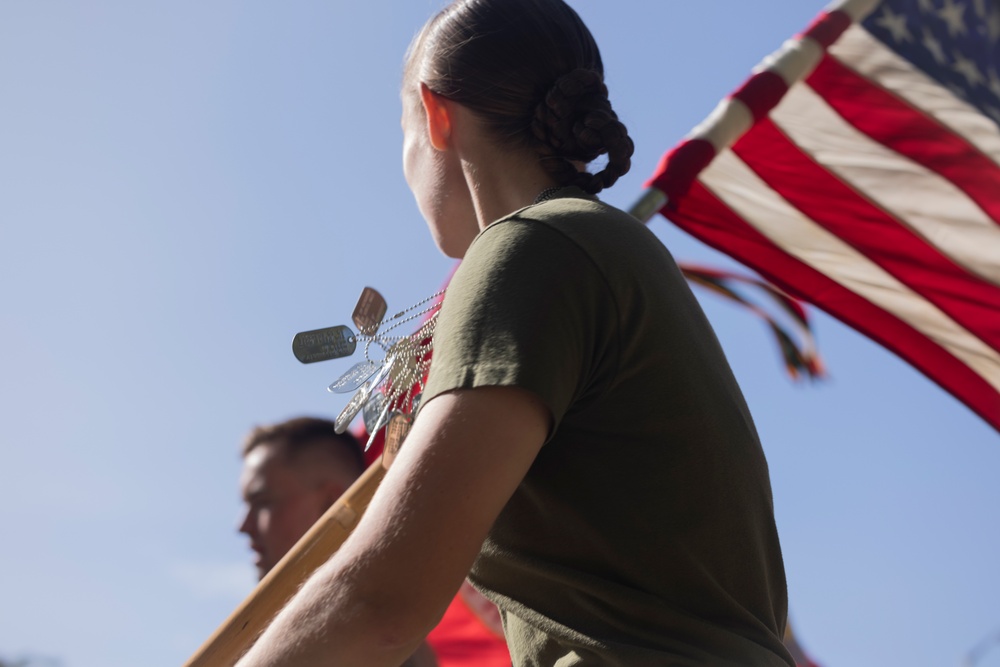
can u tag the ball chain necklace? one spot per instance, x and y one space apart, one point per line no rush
389 381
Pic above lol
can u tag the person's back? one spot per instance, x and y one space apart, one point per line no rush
644 526
541 353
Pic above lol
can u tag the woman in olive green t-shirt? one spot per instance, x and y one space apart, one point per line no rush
582 445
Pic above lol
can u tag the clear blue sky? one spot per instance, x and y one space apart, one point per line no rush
186 184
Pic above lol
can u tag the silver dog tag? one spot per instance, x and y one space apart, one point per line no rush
324 344
354 377
352 409
375 412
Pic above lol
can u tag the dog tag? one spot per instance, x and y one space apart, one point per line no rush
354 377
375 412
324 344
402 372
369 312
352 409
359 399
396 431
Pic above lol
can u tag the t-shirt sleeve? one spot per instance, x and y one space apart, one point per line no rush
527 308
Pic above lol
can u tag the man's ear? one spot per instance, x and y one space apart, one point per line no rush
438 118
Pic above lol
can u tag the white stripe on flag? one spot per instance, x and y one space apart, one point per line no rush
793 61
761 207
869 57
856 9
927 203
728 122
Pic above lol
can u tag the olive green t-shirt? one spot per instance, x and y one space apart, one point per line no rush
644 533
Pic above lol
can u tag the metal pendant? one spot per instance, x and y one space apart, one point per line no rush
376 412
351 410
395 432
354 377
358 401
369 311
324 344
379 385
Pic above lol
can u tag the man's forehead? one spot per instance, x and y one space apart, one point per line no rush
261 455
259 465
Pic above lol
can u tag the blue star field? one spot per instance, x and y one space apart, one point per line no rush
955 42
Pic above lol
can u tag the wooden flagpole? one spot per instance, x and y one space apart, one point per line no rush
648 205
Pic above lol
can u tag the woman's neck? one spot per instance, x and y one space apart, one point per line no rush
501 187
500 181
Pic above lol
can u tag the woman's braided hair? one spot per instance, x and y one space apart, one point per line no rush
532 71
575 122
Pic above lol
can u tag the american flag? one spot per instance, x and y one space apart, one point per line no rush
859 169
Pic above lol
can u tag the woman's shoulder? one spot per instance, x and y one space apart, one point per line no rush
575 213
588 222
565 230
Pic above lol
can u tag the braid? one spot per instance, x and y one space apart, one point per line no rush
575 123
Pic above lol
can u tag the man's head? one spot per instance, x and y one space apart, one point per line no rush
292 472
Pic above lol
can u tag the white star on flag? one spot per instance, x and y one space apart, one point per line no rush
994 84
968 69
896 24
993 25
931 43
953 14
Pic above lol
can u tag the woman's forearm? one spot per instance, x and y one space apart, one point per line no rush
374 601
332 621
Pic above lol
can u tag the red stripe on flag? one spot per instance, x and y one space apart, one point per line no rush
705 216
969 300
909 132
679 168
761 93
828 27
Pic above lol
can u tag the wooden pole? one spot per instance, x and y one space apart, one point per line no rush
648 205
238 633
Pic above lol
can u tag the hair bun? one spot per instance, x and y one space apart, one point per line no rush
564 106
575 123
580 82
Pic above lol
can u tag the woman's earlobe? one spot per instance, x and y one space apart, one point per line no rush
438 118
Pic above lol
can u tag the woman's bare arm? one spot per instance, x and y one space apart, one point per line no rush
373 602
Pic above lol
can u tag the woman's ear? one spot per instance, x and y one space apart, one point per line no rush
438 118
